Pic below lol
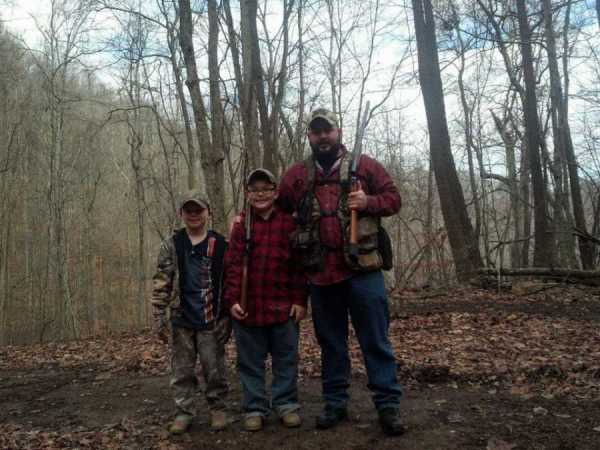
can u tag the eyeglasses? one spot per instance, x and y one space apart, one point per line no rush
261 190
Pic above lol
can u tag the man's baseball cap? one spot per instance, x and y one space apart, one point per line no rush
194 196
325 114
261 174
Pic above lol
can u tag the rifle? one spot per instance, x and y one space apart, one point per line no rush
246 258
354 183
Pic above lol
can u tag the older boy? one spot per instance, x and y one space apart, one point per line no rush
276 303
189 279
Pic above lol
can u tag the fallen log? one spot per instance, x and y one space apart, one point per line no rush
587 277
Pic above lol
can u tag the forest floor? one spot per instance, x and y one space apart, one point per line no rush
481 370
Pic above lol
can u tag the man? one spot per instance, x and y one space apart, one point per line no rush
188 279
341 283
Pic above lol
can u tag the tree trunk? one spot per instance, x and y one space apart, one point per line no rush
542 254
300 135
248 95
460 231
470 148
513 188
213 166
429 233
525 197
562 133
191 155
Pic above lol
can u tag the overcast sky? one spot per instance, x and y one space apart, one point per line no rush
20 17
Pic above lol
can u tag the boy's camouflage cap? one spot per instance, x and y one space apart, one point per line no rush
325 114
195 196
261 173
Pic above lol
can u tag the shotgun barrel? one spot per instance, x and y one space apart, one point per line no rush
354 185
246 258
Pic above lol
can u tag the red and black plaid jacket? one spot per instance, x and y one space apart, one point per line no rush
275 281
383 200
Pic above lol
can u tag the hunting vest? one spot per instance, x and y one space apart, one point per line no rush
307 240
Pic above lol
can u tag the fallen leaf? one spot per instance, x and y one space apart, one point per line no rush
498 444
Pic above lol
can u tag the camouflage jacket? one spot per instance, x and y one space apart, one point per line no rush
166 281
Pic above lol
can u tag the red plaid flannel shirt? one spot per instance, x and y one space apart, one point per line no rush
275 281
383 200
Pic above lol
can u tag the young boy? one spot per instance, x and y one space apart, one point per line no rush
276 303
189 280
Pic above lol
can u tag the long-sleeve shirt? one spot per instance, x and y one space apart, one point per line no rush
383 200
275 281
188 279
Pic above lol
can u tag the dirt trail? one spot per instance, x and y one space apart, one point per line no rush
92 405
76 403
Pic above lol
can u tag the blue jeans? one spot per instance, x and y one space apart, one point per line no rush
253 346
363 297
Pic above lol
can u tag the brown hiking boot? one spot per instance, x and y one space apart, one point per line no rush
291 420
253 423
181 423
218 420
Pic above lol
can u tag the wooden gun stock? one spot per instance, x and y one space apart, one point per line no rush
244 290
354 227
353 247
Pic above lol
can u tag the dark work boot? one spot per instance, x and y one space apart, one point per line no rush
330 417
390 421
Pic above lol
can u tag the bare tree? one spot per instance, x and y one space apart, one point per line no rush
563 143
460 231
212 160
543 255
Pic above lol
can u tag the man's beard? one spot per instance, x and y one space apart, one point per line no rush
326 157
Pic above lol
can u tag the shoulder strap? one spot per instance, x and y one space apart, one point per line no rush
345 175
311 169
216 251
211 246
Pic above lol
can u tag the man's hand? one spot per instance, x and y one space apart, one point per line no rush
297 313
237 312
237 219
161 329
357 200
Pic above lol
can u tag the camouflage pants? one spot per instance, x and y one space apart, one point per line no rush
189 345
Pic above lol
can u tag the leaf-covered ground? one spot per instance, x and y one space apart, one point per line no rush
481 370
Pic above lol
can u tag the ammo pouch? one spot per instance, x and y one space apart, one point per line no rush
374 247
308 250
306 243
384 244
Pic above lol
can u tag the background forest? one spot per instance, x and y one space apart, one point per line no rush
486 113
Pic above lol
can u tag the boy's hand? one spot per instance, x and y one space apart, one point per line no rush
298 313
237 312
